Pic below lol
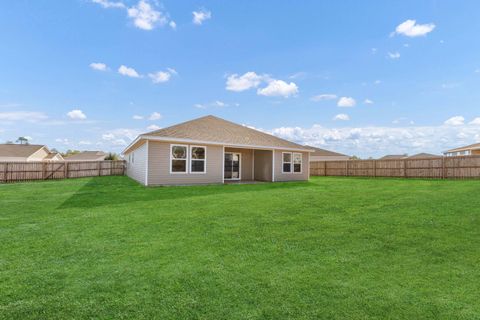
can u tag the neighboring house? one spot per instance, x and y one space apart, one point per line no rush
394 157
423 155
54 156
23 152
473 149
326 155
87 156
212 150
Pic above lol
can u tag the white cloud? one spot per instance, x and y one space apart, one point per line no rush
145 16
109 4
278 88
368 101
410 28
394 55
251 80
475 121
200 106
455 121
342 117
377 82
153 127
477 70
64 141
378 141
119 137
173 25
137 117
323 97
374 50
28 116
84 143
162 76
76 114
241 83
200 16
129 72
98 66
155 116
346 102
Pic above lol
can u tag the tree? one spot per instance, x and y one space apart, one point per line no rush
112 156
22 140
9 142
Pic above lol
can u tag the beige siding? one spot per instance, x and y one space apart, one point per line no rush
329 158
279 176
159 166
246 162
38 155
136 169
263 165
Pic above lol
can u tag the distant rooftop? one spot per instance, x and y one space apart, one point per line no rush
19 150
87 156
474 146
324 152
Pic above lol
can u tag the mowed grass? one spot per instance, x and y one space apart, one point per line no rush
330 248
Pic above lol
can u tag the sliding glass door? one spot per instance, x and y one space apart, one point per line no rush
232 166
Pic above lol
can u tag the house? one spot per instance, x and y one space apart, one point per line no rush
473 149
212 150
423 155
87 156
53 156
394 157
26 152
326 155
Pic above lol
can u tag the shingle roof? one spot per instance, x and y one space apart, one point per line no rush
470 147
51 155
324 153
423 155
19 150
87 156
393 157
216 130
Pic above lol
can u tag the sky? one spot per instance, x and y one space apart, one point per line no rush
365 78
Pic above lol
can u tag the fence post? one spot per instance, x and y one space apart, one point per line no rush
325 168
65 168
5 172
405 168
99 165
444 173
44 170
374 168
346 168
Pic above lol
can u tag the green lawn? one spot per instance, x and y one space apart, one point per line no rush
331 248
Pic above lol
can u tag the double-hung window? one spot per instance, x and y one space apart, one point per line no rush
297 162
198 158
286 162
178 158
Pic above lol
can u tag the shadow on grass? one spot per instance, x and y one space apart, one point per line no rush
106 191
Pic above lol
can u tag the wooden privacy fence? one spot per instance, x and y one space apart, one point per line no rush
29 171
463 167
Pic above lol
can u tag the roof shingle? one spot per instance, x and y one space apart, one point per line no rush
216 130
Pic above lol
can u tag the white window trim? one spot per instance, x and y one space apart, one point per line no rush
186 159
291 162
204 160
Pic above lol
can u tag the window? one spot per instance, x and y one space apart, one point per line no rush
287 162
198 156
297 162
178 159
